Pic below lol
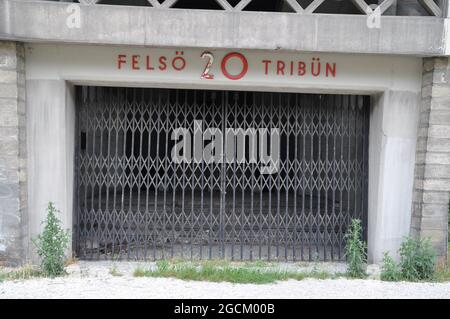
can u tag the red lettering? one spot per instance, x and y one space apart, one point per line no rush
149 63
315 67
280 67
244 66
162 63
179 63
135 61
266 63
301 68
292 68
121 60
331 69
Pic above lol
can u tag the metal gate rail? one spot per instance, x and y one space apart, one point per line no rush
134 201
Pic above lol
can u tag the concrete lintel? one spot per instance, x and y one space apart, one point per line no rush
139 26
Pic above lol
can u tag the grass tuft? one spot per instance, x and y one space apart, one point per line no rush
224 272
113 271
22 273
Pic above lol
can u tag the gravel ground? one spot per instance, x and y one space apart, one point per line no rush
93 280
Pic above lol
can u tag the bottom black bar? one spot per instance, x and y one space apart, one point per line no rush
227 308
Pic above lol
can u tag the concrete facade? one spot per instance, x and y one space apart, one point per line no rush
432 172
13 155
394 83
409 168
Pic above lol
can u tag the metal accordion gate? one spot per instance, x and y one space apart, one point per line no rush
136 200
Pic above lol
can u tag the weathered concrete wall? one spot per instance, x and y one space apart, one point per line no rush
13 177
392 145
432 173
51 125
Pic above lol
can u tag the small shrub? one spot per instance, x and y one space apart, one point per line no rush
390 271
51 244
355 250
417 259
417 262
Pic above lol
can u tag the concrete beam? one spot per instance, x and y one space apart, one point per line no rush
38 21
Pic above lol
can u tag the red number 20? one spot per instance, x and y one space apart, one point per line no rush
206 72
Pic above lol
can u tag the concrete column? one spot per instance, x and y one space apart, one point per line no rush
392 148
51 129
432 173
13 177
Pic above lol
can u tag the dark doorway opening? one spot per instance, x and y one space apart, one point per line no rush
135 201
